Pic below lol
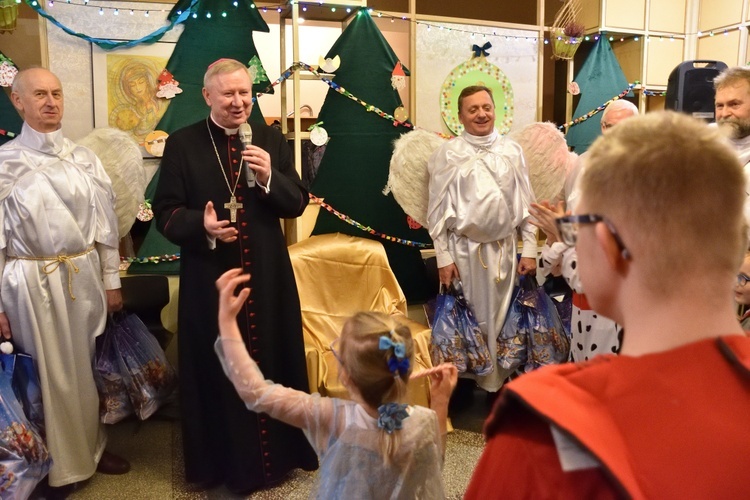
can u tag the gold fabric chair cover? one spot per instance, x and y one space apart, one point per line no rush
337 276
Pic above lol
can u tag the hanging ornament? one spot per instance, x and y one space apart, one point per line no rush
145 213
168 86
155 142
401 114
318 135
257 73
573 88
398 77
567 33
477 71
412 223
329 65
8 15
8 71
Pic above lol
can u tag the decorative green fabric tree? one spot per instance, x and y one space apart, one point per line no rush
218 30
354 169
600 79
10 120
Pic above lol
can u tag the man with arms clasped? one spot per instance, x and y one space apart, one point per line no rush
479 196
59 261
202 187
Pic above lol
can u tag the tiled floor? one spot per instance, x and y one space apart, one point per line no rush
154 449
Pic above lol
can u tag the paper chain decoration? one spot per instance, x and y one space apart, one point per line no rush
154 259
341 90
367 229
597 110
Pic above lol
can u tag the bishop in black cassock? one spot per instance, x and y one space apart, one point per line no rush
223 441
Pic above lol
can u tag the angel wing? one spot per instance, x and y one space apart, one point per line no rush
547 158
123 162
408 179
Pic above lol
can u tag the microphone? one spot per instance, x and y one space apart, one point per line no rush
246 137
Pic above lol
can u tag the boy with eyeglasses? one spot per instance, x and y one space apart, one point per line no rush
742 293
662 197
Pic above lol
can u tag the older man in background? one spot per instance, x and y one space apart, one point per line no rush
59 262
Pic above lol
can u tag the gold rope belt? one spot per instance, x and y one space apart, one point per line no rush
498 278
54 263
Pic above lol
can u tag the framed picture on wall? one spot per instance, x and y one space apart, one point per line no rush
125 86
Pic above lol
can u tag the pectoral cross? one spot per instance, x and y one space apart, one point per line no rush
233 206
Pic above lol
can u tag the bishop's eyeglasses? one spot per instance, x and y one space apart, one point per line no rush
568 227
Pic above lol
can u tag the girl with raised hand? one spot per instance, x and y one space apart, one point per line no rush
372 446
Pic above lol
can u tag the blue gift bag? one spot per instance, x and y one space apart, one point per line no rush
447 344
114 402
533 334
148 376
24 458
24 378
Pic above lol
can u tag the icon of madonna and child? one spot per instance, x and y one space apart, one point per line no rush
132 102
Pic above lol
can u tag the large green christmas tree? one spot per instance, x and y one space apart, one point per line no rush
354 169
218 29
10 120
600 79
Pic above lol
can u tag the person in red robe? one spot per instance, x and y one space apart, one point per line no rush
205 204
668 417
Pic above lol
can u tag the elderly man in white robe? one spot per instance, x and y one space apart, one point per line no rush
59 261
479 198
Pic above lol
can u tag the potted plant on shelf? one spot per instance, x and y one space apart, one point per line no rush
566 32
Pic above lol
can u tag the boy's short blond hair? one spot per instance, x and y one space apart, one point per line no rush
674 189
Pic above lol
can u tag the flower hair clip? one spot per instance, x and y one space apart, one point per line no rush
398 364
391 416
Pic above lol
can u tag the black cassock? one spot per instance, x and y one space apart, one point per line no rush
223 440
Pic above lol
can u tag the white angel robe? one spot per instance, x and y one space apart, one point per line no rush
479 198
56 202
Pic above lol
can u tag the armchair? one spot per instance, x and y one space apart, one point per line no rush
338 275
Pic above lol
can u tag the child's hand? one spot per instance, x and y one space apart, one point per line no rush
229 303
545 215
443 381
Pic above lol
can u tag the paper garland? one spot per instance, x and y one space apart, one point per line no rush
367 229
341 90
597 110
154 259
108 44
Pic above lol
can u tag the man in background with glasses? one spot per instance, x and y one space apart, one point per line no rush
670 413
